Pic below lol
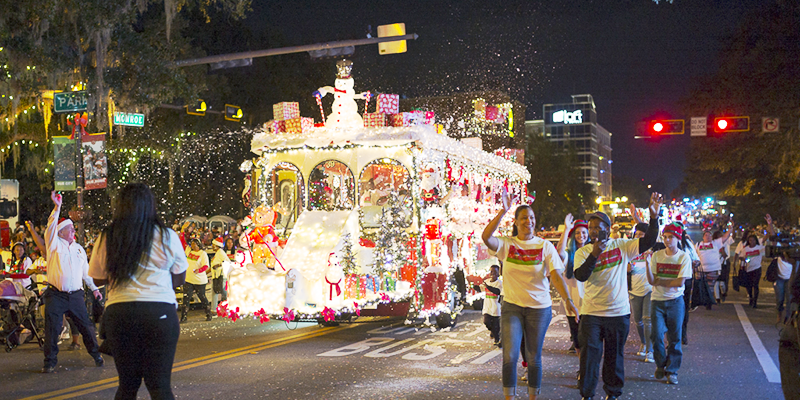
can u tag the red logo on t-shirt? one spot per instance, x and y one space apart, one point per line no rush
664 270
752 253
705 246
608 259
524 257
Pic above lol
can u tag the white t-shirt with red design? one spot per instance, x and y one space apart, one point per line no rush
753 255
606 290
678 265
708 252
639 285
527 265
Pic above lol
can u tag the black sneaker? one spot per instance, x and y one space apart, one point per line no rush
48 370
659 373
99 362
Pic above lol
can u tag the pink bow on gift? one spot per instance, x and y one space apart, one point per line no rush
385 297
328 314
288 315
80 121
332 284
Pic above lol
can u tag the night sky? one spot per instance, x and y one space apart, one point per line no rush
635 57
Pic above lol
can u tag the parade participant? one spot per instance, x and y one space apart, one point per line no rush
781 285
21 264
710 262
67 271
667 270
640 291
137 256
575 236
217 277
530 263
196 279
605 312
752 253
491 305
687 246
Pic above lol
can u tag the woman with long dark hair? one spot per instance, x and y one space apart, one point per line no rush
21 264
529 265
141 260
752 253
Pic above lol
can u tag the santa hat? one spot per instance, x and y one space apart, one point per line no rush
62 223
247 221
578 224
674 228
218 241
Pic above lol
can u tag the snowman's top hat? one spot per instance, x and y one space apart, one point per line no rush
343 69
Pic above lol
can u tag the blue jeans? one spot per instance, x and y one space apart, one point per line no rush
640 306
667 317
602 337
534 321
780 295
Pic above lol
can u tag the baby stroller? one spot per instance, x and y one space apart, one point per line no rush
18 307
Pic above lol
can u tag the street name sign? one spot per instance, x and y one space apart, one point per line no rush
65 102
129 119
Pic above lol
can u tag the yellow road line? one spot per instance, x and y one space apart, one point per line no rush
109 383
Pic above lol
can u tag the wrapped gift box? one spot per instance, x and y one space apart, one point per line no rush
374 120
286 110
355 287
412 118
277 126
299 124
390 283
388 103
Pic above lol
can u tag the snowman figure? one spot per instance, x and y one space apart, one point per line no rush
345 110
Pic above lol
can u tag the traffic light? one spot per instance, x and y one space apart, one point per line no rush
665 127
731 124
198 108
233 113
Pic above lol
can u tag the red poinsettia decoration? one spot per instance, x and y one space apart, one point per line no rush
222 309
328 314
262 315
234 315
288 315
357 310
385 297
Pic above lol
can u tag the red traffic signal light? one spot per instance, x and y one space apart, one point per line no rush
731 124
666 127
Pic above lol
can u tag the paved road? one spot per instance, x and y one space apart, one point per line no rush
383 359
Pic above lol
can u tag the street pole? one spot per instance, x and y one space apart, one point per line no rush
290 50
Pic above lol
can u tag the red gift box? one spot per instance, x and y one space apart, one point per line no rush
286 110
388 103
277 126
374 120
492 113
412 118
299 124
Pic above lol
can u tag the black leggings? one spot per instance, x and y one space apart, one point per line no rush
143 337
753 278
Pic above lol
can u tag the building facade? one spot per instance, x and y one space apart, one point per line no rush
575 125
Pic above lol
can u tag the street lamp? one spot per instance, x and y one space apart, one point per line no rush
624 199
599 200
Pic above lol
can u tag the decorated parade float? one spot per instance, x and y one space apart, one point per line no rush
362 215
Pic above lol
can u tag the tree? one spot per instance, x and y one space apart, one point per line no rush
759 76
391 243
557 180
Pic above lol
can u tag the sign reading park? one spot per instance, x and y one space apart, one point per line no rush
129 119
71 101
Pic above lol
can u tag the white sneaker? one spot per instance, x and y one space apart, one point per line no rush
641 351
648 357
65 333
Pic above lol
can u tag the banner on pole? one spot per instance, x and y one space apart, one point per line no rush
95 163
64 156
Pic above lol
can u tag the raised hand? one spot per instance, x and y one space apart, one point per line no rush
56 197
768 218
569 222
506 199
656 201
635 214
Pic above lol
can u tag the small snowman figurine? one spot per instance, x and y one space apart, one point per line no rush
345 110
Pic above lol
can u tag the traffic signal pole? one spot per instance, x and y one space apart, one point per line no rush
290 50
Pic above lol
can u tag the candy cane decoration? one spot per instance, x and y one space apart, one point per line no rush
321 111
366 103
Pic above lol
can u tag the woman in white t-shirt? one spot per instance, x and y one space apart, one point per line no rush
752 253
640 290
141 260
785 266
667 271
529 265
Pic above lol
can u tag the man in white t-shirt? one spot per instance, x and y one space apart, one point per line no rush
668 270
605 311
